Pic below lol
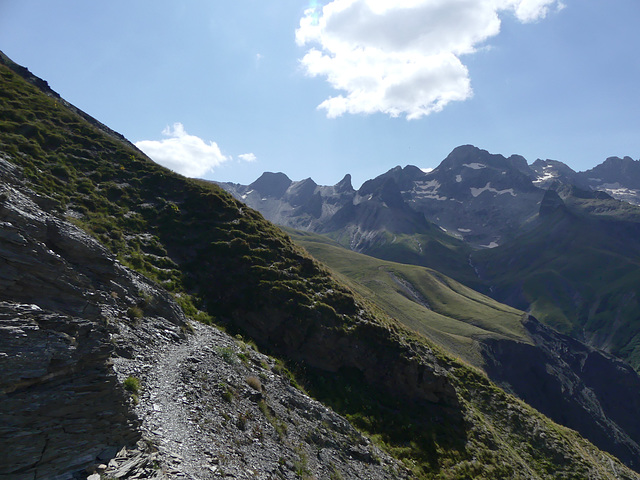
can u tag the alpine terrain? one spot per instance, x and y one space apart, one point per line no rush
152 326
559 244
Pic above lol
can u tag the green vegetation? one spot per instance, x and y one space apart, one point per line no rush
228 354
133 386
577 272
224 263
424 300
492 435
279 426
228 393
435 249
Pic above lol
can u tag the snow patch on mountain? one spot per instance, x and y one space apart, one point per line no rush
458 178
432 185
620 192
548 173
487 188
427 189
475 165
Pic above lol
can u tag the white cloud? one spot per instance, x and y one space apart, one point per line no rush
247 157
427 169
183 153
402 57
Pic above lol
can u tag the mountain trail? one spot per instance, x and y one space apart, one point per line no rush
167 415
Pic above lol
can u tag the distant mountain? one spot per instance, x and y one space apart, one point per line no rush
303 204
376 219
476 196
548 172
619 177
559 246
473 195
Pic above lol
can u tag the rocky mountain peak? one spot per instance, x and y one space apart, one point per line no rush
619 177
271 184
519 163
299 193
465 154
546 172
551 203
618 169
344 185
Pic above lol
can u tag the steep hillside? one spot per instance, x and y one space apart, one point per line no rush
103 373
576 268
428 302
574 384
223 262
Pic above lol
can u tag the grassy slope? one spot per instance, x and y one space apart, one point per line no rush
577 273
213 252
424 300
435 249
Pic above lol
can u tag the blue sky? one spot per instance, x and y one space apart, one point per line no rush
226 90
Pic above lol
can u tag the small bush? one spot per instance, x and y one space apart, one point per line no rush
255 383
228 394
228 355
135 312
132 385
243 420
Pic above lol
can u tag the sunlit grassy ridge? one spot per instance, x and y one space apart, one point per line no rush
226 264
434 249
424 300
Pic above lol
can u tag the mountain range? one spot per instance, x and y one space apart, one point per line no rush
152 326
541 238
481 198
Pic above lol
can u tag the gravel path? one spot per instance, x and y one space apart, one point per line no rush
214 407
165 408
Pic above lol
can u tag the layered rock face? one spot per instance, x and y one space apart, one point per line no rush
61 405
61 296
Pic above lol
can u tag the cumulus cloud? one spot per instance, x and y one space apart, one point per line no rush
183 153
247 157
402 57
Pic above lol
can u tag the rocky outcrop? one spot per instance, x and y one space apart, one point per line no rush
62 297
61 406
551 203
575 385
